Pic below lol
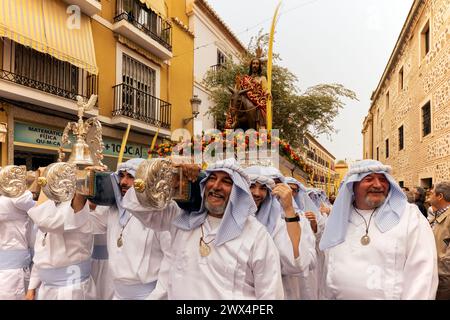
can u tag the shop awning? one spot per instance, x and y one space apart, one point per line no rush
45 26
158 6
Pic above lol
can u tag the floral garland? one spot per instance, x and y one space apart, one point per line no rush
166 149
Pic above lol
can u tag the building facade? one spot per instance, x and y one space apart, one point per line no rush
408 123
341 168
214 43
322 163
124 51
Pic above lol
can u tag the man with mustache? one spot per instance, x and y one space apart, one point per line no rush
377 245
135 253
221 251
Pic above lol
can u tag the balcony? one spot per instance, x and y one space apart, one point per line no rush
144 27
139 105
216 67
33 77
89 7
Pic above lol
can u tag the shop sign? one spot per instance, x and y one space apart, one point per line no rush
43 137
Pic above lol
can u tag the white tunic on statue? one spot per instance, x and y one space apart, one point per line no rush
242 268
138 261
14 235
398 264
68 242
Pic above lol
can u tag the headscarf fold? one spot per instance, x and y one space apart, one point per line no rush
240 204
387 217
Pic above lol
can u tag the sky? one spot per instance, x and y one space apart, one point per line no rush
327 41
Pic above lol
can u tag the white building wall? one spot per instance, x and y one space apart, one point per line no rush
208 39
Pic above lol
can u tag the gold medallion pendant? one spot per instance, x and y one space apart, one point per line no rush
365 240
204 249
119 242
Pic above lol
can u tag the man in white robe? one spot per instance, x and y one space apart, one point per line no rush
100 268
62 252
15 258
294 239
308 281
377 245
221 251
135 252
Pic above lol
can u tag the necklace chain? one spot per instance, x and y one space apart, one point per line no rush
364 219
203 236
120 239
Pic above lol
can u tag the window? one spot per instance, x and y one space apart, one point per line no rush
425 40
387 100
306 142
400 79
400 138
387 148
139 83
426 183
426 119
221 58
378 153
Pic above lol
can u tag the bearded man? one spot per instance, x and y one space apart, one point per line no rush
377 245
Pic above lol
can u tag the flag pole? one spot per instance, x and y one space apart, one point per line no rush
269 68
153 143
123 145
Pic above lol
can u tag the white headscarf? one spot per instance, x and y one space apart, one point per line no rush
302 200
130 167
270 210
389 213
240 204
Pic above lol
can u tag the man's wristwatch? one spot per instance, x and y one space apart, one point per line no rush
292 219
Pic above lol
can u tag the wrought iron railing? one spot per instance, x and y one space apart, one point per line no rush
145 20
140 105
43 72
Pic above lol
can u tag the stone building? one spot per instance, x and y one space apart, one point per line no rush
322 163
408 123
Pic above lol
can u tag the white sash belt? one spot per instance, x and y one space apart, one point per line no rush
133 291
65 276
14 259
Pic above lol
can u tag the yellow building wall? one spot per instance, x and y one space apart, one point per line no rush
4 146
105 54
181 70
342 171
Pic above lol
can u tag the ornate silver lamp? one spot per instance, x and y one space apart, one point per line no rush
61 180
13 181
160 180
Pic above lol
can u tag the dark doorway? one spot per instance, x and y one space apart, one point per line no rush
33 160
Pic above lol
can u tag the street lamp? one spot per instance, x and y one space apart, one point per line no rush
195 103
